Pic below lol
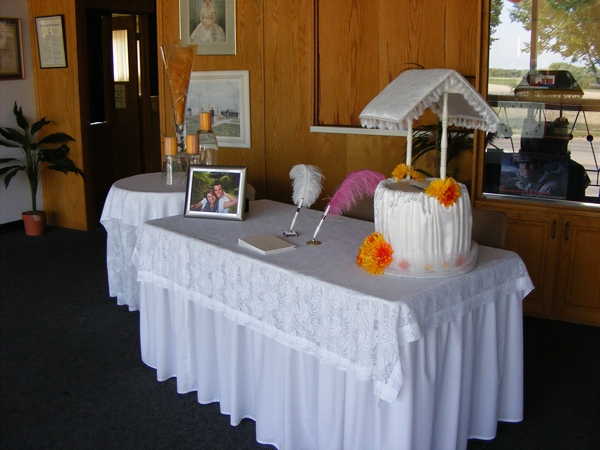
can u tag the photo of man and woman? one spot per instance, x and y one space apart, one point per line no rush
215 192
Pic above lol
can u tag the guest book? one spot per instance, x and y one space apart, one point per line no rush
266 244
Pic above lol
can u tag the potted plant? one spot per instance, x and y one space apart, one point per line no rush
37 156
426 139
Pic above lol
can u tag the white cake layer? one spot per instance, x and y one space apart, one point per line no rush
428 239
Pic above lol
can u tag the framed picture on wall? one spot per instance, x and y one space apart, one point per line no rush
226 95
216 192
11 50
51 42
210 24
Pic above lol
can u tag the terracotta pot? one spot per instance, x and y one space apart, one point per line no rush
35 222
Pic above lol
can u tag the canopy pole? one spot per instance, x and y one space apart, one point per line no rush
409 144
444 138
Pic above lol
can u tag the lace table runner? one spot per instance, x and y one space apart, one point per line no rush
314 298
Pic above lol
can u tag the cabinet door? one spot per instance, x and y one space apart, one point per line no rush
578 293
533 235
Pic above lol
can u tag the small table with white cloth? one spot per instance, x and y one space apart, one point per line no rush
131 202
321 354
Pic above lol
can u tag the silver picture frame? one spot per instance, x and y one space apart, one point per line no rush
215 192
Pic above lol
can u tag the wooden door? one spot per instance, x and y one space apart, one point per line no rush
533 235
126 145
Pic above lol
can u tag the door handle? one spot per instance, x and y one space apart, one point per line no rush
567 231
553 232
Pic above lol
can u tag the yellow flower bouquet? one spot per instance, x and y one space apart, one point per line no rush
375 254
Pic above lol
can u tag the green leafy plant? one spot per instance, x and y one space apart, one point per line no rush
426 139
37 155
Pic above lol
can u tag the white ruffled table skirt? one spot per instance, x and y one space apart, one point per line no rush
460 378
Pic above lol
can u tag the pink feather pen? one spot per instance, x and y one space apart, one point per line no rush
357 185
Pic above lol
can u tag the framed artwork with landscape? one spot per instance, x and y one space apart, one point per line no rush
216 192
226 95
210 24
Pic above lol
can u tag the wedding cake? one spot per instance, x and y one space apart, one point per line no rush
429 238
426 223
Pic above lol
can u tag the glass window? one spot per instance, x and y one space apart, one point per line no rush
120 56
544 82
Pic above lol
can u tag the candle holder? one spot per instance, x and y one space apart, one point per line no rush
179 62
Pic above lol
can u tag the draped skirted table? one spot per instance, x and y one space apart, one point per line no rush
321 354
129 203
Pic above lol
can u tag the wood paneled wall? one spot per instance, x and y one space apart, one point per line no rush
310 62
361 47
57 99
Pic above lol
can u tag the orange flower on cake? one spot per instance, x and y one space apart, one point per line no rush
446 191
375 254
401 170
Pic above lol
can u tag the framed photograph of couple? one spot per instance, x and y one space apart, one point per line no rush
216 192
226 95
210 24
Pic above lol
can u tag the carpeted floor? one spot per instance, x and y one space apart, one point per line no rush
71 376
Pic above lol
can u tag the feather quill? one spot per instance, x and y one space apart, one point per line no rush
357 185
306 184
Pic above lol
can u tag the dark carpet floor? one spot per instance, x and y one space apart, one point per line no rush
71 376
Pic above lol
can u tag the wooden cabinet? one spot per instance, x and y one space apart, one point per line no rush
578 269
561 249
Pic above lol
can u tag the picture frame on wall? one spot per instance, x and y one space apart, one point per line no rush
50 34
11 50
216 192
226 94
209 23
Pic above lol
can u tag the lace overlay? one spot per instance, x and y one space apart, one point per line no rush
122 274
314 298
129 203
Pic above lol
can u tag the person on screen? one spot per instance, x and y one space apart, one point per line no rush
537 176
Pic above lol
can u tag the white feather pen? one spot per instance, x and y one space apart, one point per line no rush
306 184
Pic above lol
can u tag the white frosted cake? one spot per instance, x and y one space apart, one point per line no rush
429 239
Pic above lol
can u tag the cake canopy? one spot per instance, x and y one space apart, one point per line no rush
447 93
413 91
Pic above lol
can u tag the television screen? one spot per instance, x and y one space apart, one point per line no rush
534 175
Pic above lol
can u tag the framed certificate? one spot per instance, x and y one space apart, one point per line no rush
51 42
11 50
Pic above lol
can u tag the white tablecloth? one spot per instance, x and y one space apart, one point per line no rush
444 355
129 203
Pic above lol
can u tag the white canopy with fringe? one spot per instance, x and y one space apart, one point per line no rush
447 93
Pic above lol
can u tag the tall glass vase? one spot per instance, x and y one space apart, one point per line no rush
179 62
